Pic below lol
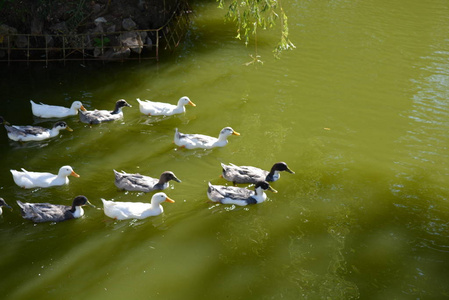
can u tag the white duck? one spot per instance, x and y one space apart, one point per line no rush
46 212
28 180
151 108
3 204
135 210
53 111
99 116
192 141
249 174
237 195
33 133
142 183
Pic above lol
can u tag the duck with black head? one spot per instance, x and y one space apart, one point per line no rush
99 116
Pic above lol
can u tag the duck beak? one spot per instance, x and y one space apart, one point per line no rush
68 128
8 207
191 103
176 179
90 204
74 174
235 133
273 190
290 171
82 108
169 200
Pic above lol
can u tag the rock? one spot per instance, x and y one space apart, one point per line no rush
60 28
50 42
117 53
129 24
100 20
132 40
5 30
37 25
21 41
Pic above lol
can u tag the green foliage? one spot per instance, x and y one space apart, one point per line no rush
101 42
249 15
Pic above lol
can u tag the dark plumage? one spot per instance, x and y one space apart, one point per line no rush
99 116
238 195
46 212
141 183
33 133
249 174
3 204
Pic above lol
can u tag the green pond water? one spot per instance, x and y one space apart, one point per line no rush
359 110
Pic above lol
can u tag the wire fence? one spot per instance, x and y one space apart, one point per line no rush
100 46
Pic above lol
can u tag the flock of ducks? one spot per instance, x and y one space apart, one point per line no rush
47 212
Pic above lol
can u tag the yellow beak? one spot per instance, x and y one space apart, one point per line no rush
169 200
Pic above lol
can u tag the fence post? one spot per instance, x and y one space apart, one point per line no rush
157 45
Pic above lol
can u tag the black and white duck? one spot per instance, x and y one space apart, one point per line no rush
249 174
142 183
239 195
100 116
46 212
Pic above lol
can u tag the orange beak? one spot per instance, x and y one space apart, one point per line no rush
82 108
74 174
191 103
235 133
169 200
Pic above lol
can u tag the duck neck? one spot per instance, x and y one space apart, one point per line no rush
117 110
258 191
273 176
222 138
77 211
162 184
54 132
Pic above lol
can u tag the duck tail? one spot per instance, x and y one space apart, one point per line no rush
210 188
3 121
22 206
117 175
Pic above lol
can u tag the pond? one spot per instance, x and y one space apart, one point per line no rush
358 110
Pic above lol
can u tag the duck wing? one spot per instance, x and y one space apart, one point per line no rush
98 116
221 192
45 212
243 174
134 182
49 111
25 130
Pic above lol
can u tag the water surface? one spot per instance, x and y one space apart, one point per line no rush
358 110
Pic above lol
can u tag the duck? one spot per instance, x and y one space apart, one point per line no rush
28 180
249 174
142 183
151 108
53 111
28 133
193 141
46 212
99 116
238 195
3 204
136 210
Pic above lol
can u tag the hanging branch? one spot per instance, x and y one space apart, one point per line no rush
251 14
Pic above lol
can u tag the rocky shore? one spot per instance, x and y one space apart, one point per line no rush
103 28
